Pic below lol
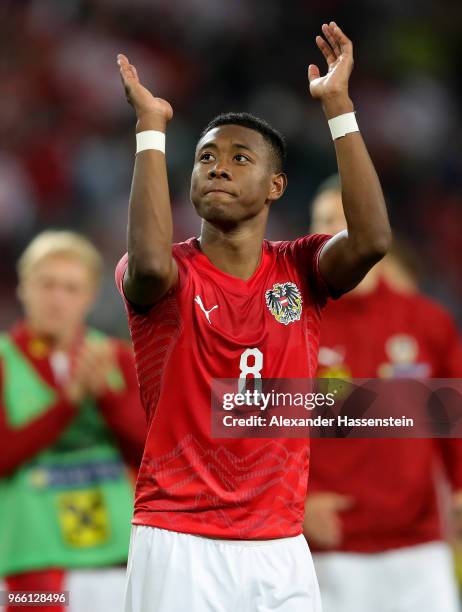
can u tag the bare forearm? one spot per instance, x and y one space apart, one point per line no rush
348 257
149 217
369 230
151 269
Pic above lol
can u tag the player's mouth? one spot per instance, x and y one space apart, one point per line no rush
218 190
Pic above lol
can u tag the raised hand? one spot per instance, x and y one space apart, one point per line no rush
138 96
338 52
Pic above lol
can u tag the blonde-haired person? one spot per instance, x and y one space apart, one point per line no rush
71 430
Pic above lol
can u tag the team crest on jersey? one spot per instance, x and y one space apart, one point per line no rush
284 301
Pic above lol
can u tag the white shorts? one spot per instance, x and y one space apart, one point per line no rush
415 579
178 572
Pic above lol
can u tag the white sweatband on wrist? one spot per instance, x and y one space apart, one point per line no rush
150 139
342 125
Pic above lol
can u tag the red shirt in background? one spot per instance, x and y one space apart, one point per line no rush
386 334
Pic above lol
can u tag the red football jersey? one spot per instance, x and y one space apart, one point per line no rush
201 330
387 334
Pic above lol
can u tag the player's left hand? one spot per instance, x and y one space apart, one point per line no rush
338 52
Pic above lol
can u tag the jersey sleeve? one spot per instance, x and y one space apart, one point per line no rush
183 278
305 254
22 444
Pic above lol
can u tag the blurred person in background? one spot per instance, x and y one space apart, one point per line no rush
71 432
372 513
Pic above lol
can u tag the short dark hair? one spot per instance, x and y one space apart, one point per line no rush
274 138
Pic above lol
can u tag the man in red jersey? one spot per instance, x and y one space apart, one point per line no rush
218 523
372 513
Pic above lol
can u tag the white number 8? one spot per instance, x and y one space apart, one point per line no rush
253 370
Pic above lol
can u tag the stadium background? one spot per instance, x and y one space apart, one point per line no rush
67 133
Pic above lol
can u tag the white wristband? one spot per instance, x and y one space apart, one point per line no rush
150 139
342 125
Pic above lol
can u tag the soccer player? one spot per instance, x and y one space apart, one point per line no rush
372 514
70 425
218 523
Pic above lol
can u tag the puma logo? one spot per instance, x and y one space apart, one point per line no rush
198 300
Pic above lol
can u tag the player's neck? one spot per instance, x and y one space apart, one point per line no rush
237 251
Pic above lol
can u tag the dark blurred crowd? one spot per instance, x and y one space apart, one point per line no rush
67 132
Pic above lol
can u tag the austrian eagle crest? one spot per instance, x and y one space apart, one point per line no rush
284 301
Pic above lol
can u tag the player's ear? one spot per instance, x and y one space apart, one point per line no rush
277 186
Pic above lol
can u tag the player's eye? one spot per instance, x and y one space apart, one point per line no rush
206 157
241 158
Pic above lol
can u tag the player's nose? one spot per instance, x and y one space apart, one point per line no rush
219 171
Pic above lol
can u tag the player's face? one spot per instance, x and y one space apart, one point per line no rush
327 214
232 178
56 296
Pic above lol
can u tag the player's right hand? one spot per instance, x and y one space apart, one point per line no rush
322 525
138 96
